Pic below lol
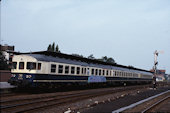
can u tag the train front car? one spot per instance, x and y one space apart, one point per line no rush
24 70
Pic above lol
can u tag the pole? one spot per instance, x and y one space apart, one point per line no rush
155 68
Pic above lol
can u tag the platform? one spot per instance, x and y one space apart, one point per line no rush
5 85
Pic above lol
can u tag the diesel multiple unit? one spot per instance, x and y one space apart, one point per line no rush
40 69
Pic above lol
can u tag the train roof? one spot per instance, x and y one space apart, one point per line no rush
65 58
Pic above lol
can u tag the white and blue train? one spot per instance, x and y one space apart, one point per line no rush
40 69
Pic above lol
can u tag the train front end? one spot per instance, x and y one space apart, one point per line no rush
24 69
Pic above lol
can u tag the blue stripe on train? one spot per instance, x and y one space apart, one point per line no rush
69 77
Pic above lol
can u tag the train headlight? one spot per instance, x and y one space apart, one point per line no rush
13 75
28 76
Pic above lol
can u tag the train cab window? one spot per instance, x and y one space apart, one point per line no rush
31 65
78 70
66 69
21 65
39 66
60 69
14 65
72 70
53 68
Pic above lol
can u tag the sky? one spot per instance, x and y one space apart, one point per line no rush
129 31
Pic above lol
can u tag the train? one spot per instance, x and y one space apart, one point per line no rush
51 69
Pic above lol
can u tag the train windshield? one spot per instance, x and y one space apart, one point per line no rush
21 65
31 65
14 65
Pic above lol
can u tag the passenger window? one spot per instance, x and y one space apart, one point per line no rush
88 71
78 70
84 70
60 69
14 65
107 72
103 72
72 70
53 68
66 69
39 66
92 71
96 72
100 72
113 73
21 65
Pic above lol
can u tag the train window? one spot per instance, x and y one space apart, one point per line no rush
78 70
31 65
84 70
107 72
21 65
88 71
103 72
92 71
100 72
72 70
14 65
66 69
96 72
39 66
117 73
53 68
113 73
60 69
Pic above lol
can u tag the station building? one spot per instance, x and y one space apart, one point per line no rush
160 74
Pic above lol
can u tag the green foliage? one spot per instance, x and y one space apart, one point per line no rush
107 59
3 62
77 55
91 57
52 48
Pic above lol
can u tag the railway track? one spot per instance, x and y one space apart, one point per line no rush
147 105
37 102
33 103
153 106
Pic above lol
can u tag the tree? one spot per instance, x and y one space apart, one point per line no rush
3 62
91 57
57 49
77 55
49 48
107 59
52 48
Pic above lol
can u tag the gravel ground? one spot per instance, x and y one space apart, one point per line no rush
106 103
124 101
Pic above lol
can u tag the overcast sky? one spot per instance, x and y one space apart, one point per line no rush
127 30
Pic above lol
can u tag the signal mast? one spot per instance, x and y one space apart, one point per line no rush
155 66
